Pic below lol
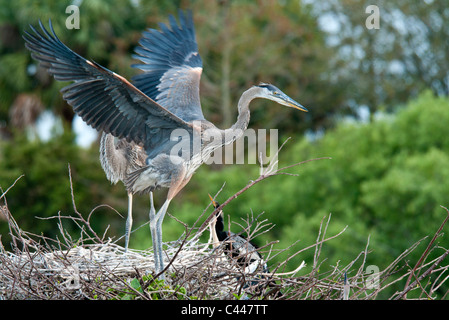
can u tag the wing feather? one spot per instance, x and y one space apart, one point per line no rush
103 99
171 67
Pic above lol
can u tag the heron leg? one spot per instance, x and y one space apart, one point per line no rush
156 223
153 232
129 221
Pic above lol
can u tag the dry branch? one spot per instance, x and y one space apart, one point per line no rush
95 267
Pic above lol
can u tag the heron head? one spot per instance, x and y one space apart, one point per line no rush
218 224
272 93
216 205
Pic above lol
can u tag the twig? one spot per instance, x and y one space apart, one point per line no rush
249 185
425 274
14 183
423 256
77 212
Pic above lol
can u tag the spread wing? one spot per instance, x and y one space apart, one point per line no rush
102 98
172 67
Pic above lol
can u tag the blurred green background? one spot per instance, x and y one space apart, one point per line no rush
377 99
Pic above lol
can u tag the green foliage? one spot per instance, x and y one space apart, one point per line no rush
154 289
104 36
294 54
380 68
275 42
386 180
44 190
378 182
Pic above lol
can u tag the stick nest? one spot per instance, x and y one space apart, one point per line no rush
95 267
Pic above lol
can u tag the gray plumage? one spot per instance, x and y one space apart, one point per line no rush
149 128
119 158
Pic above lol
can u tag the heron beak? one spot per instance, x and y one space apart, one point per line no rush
285 100
212 199
293 104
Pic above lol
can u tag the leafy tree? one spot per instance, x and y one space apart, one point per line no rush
104 36
386 181
244 44
277 42
384 67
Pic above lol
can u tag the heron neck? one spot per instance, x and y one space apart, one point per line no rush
219 229
237 130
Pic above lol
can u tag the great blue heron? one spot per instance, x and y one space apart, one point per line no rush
159 134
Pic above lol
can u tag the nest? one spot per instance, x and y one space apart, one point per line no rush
102 271
105 271
96 267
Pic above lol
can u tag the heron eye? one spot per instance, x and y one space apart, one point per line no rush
275 93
